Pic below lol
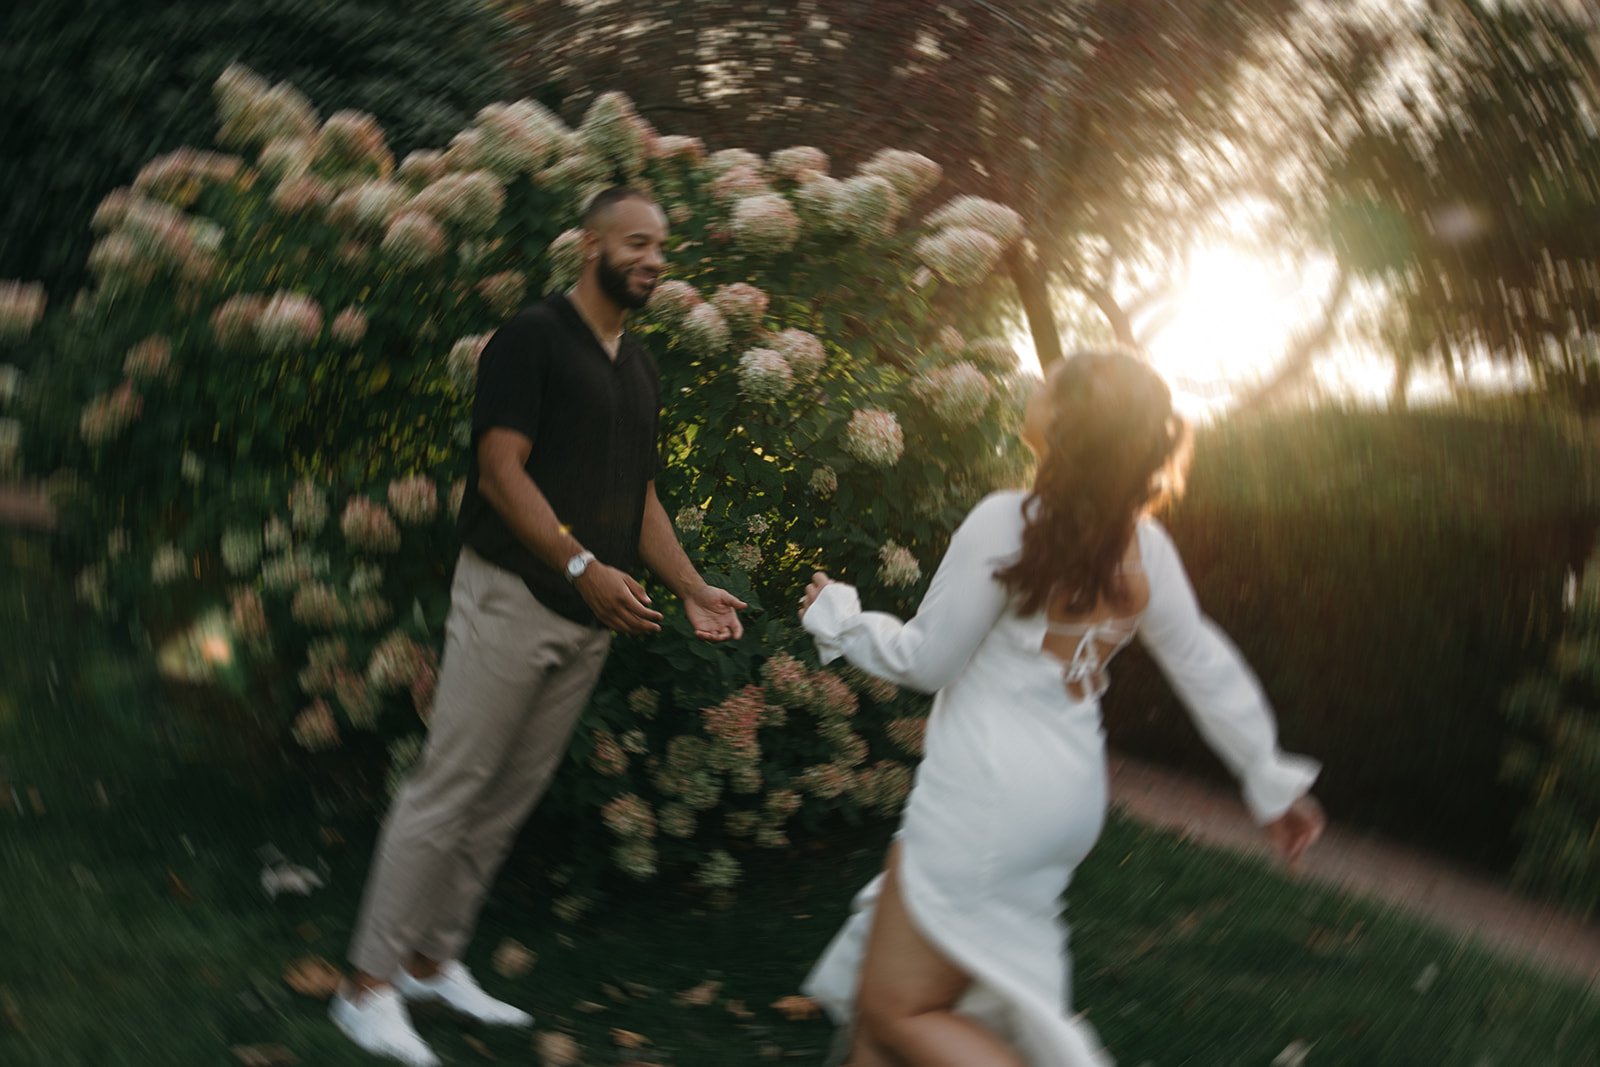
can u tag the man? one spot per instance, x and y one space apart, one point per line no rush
560 506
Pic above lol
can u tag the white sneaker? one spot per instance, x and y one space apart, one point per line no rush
378 1022
455 987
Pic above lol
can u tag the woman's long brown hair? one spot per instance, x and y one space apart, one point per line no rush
1115 449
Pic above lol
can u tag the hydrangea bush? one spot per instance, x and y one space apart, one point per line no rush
255 422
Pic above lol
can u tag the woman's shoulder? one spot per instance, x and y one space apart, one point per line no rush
1156 547
999 509
992 530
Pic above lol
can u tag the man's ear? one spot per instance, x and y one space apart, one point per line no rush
590 244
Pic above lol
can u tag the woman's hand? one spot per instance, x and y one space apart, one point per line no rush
1297 829
819 582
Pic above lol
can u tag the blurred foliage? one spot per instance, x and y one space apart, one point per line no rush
1445 150
1389 577
95 88
1092 119
254 426
1472 192
1556 759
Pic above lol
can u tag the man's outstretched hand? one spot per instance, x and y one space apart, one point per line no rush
714 614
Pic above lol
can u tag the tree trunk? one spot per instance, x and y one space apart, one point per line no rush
1403 366
1121 322
1034 293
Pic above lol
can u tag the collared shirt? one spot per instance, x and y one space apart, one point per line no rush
593 423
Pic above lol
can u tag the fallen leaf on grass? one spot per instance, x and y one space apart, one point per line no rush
699 996
555 1049
639 989
797 1008
308 931
627 1038
1321 941
589 1007
478 1046
176 887
264 1056
1293 1055
85 878
1146 945
312 976
513 959
280 878
737 1009
614 993
8 1010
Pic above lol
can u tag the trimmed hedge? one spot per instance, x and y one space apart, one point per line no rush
1389 577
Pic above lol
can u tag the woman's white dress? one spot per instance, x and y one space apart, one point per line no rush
1011 793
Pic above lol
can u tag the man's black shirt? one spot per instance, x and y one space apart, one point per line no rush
593 424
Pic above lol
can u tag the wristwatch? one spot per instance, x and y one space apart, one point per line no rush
578 564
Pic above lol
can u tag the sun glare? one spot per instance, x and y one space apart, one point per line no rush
1233 320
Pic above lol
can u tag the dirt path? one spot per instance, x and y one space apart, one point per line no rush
1424 887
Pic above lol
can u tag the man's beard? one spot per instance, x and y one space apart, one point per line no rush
614 283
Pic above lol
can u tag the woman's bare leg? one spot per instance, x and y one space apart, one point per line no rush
863 1053
909 992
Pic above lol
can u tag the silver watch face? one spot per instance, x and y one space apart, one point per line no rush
578 564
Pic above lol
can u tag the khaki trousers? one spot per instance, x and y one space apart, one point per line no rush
514 678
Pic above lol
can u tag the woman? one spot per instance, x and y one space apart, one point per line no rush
955 956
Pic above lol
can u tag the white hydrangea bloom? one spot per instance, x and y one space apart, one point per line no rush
912 174
959 393
899 567
705 329
765 223
978 213
803 352
961 255
874 436
789 164
764 376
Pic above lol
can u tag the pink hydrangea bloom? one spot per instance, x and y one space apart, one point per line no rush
369 526
414 499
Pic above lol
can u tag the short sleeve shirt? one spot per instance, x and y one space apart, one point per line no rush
593 423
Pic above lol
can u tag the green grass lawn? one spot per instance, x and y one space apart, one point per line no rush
133 931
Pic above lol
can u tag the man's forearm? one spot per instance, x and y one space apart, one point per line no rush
661 552
529 515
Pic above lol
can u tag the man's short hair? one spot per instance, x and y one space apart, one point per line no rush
603 200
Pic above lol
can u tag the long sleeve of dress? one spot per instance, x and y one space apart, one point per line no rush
961 607
1219 689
